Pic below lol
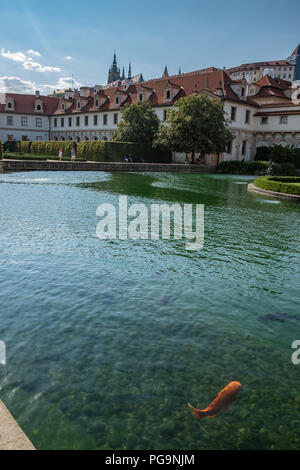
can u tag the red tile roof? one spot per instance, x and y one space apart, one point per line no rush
25 104
181 86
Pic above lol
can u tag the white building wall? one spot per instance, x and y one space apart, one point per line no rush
37 127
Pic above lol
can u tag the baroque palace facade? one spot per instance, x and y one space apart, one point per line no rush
260 112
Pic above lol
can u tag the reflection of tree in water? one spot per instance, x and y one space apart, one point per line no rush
186 188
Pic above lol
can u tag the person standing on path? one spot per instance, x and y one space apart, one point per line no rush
73 155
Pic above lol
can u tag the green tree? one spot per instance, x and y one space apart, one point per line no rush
197 124
280 154
139 124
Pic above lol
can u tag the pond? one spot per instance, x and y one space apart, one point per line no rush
108 340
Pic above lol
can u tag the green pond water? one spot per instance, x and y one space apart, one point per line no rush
107 341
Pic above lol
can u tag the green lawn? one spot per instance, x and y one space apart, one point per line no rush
31 156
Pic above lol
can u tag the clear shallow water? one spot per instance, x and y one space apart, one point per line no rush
108 340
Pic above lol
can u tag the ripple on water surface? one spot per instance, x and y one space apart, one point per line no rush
108 340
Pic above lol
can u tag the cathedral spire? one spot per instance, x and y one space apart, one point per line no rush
114 71
166 73
123 74
129 71
179 71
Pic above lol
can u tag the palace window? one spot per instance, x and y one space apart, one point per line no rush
283 119
104 119
78 121
229 148
55 122
244 147
70 121
247 118
233 113
264 120
86 120
95 120
38 122
165 115
62 122
24 121
9 120
116 118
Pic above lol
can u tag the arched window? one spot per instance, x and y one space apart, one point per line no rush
95 138
9 105
168 94
86 138
62 138
78 139
105 138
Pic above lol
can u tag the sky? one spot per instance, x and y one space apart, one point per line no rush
44 42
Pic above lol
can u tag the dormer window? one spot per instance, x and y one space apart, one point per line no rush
141 96
38 108
10 105
96 103
168 94
62 107
78 105
117 100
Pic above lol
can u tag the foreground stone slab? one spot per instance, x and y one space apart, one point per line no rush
11 435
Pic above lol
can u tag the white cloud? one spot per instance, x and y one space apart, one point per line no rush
16 56
16 85
31 52
64 83
68 57
28 63
36 67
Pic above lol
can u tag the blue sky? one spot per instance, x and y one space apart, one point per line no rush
42 42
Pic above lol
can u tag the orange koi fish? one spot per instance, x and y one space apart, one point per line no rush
221 402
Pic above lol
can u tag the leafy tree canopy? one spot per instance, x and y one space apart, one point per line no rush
197 124
139 124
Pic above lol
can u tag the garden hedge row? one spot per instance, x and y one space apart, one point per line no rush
287 184
242 167
97 150
279 154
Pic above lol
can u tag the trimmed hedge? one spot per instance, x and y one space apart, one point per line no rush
100 151
278 154
242 167
287 184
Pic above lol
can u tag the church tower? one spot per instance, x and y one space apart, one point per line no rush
114 71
